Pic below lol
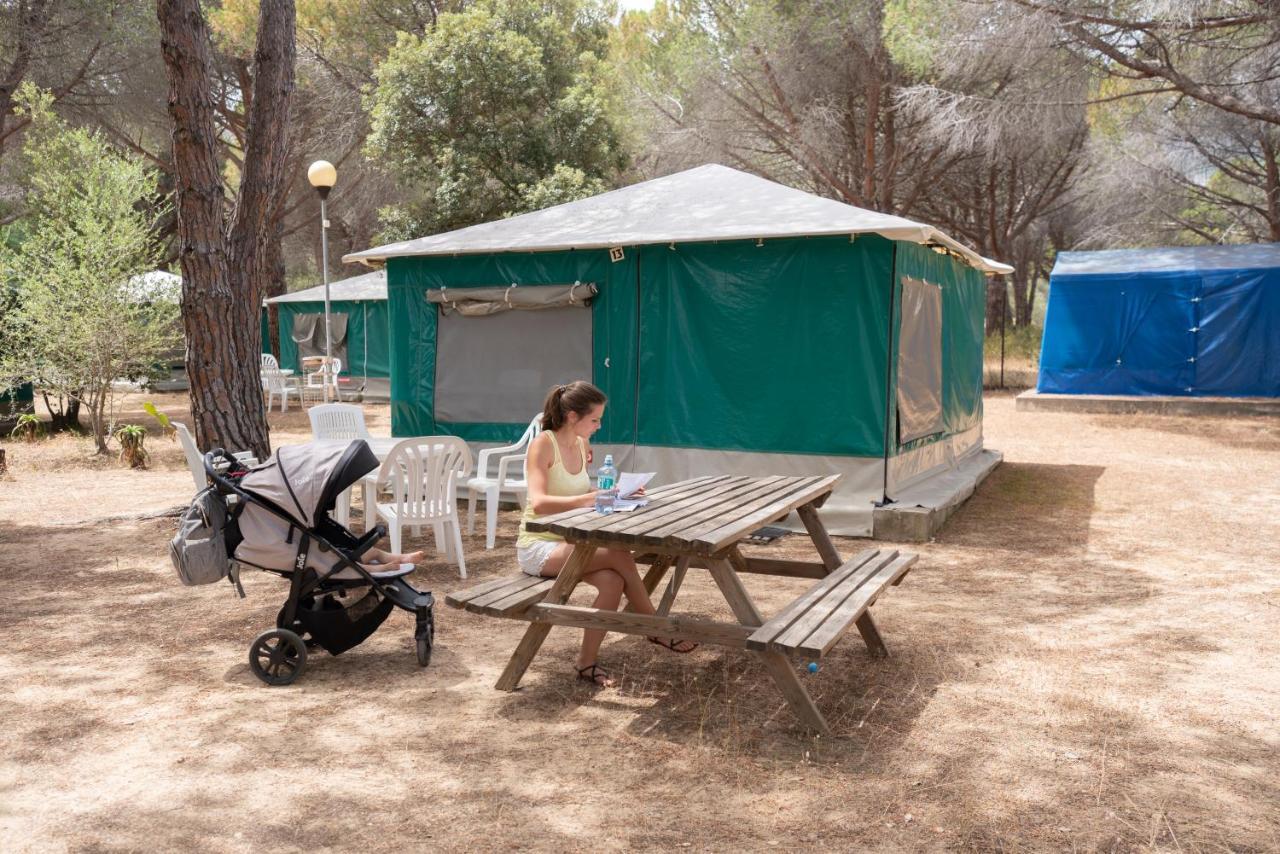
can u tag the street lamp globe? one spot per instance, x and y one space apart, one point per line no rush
322 176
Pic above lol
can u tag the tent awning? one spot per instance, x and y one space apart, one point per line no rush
708 203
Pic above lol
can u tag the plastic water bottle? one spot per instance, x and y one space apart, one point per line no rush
607 483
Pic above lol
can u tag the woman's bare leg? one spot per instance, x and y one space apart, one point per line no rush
622 565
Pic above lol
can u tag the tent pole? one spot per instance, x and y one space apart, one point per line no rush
1004 311
324 267
888 376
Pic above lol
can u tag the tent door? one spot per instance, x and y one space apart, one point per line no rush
919 361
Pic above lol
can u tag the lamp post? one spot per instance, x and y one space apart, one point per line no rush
323 176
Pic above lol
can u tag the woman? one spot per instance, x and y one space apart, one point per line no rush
558 481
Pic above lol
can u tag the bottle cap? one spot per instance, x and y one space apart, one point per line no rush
608 459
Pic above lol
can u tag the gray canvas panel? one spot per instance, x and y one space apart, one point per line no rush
920 360
478 302
498 368
313 345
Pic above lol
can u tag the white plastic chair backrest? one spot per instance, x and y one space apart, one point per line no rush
338 421
520 446
195 461
269 361
422 475
274 379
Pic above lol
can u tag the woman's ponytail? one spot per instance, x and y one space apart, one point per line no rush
577 397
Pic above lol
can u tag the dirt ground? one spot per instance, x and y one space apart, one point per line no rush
1087 658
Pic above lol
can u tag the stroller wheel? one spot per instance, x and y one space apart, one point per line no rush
277 656
424 634
424 650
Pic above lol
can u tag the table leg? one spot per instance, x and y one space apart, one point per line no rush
784 675
821 539
529 645
677 578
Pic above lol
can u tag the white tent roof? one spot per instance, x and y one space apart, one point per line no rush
709 202
369 286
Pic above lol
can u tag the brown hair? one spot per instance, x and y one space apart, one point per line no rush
576 397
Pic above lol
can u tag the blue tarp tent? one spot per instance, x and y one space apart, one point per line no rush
1196 321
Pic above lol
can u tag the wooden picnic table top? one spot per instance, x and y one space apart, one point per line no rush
702 516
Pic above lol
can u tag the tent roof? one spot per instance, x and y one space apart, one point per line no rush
369 286
710 202
1250 256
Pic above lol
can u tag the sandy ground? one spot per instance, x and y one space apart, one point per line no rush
1088 657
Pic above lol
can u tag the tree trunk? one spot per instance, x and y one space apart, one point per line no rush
997 303
276 285
223 274
66 416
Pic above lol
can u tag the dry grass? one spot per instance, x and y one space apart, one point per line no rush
1087 658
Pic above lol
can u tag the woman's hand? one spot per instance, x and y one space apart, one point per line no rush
589 500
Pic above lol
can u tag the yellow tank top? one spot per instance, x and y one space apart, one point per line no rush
559 483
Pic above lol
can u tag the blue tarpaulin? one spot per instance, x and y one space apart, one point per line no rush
1196 321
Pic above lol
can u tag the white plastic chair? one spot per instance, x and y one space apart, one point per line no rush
314 386
195 460
275 383
509 478
421 476
339 421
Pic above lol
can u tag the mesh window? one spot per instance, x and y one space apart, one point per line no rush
498 368
920 361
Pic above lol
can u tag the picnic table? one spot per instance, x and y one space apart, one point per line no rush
698 524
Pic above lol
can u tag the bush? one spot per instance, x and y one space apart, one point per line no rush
28 428
132 437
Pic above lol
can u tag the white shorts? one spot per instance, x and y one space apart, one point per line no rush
531 558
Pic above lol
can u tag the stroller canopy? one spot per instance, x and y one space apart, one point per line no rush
305 480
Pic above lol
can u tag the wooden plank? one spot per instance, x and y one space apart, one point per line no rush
819 611
871 635
821 539
788 615
514 603
820 641
684 628
671 506
669 595
784 675
779 567
713 541
582 527
529 645
459 597
567 517
714 511
513 585
752 565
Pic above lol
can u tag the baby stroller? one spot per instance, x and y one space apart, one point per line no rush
278 521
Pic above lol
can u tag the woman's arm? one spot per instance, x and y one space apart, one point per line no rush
541 456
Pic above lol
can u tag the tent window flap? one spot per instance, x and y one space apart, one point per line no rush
920 361
308 334
480 302
497 368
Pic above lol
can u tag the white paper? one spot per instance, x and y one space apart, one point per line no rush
626 505
629 482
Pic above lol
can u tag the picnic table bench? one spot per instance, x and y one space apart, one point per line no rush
698 524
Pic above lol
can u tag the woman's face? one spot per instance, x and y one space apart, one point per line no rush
586 425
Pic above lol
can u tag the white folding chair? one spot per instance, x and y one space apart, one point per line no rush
339 421
195 460
421 475
509 477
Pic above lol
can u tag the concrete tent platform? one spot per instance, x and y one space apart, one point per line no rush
1108 404
918 512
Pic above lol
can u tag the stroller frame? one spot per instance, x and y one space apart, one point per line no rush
278 656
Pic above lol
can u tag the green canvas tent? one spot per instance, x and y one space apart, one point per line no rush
359 325
737 325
